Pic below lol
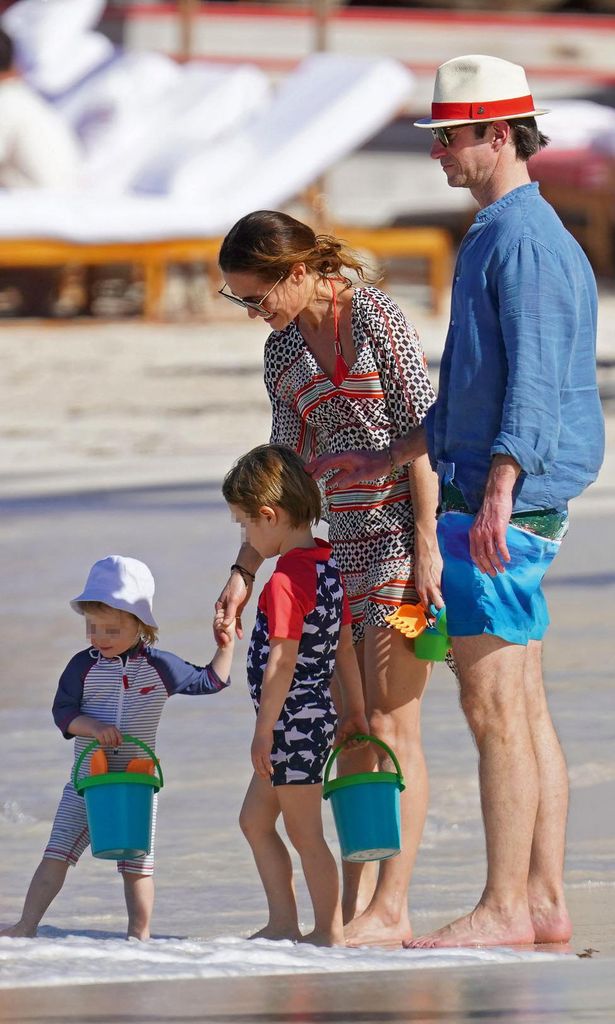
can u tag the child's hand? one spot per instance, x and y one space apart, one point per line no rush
224 635
260 752
107 735
349 724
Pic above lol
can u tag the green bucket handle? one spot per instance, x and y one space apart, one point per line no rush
372 739
126 739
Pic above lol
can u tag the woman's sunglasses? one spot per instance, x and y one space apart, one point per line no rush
254 304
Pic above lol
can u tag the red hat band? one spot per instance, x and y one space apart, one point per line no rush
482 111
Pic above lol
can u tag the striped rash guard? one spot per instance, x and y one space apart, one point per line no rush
128 691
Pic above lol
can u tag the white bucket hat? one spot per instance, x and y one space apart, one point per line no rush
123 583
479 88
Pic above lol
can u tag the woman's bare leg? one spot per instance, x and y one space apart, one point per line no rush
395 682
260 811
358 880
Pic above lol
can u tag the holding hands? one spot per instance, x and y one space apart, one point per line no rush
229 607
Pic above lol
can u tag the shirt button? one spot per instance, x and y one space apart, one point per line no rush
452 323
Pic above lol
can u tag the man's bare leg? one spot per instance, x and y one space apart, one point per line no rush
545 883
396 680
46 883
493 700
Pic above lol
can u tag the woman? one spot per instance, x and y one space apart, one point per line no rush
344 370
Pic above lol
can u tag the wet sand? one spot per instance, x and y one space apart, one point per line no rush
576 992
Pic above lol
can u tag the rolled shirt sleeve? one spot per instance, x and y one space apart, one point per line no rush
538 321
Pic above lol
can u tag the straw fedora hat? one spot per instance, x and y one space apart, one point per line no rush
479 88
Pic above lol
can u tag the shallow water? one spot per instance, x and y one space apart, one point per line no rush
208 894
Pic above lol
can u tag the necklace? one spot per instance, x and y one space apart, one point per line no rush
341 366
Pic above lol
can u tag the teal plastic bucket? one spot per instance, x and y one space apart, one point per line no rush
366 809
119 807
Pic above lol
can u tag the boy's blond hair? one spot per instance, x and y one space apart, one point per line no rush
147 633
275 475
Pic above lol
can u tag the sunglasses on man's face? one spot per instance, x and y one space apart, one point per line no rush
255 304
443 135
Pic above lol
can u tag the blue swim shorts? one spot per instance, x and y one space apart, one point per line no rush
510 605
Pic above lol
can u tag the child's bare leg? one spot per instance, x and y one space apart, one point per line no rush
257 819
46 883
139 895
301 808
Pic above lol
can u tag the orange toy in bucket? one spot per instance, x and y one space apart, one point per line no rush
98 762
144 765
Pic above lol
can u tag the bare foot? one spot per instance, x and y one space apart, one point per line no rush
370 929
323 939
271 932
483 927
19 931
551 922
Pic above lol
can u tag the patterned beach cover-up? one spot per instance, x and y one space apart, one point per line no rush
386 392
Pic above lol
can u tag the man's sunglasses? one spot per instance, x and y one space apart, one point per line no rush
443 135
254 304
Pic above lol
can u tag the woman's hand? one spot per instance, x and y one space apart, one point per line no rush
350 468
428 568
229 607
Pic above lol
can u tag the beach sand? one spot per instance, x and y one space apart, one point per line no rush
93 407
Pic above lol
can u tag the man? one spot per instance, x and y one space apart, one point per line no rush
516 431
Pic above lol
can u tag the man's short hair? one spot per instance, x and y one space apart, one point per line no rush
7 51
273 475
526 136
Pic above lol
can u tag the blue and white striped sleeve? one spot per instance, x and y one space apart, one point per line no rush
179 676
67 701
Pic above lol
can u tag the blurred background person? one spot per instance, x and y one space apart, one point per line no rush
37 150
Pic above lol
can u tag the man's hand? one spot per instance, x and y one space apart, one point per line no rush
350 468
229 607
487 535
260 752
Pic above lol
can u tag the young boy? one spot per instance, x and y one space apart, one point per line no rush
120 684
302 633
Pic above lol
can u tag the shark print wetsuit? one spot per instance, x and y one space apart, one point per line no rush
304 600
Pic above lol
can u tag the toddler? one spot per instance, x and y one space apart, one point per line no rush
119 684
302 633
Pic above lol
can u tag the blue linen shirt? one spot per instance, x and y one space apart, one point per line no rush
518 372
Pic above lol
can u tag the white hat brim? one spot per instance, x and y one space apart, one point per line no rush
140 608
